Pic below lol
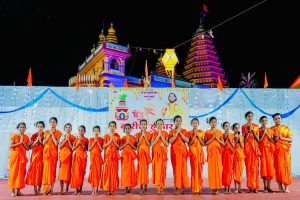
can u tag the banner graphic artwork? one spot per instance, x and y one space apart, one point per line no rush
132 105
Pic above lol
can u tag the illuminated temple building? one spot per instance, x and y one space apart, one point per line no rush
202 63
105 67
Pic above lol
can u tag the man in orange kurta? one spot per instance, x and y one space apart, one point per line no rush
159 156
35 170
50 157
65 158
143 143
128 172
227 158
79 161
283 143
267 149
18 160
196 153
252 153
178 138
110 177
95 148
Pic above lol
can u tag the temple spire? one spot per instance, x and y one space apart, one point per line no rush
111 36
202 65
101 38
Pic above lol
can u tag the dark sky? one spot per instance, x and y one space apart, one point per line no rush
54 36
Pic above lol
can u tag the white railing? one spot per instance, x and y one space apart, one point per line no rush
84 80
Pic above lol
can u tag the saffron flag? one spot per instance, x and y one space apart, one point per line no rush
220 85
29 78
173 80
77 82
126 83
205 8
146 70
173 83
266 85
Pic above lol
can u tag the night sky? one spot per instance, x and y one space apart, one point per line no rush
53 37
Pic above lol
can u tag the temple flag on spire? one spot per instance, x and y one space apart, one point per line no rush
205 8
266 85
220 85
29 78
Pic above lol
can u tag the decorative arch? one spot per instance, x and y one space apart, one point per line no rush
114 64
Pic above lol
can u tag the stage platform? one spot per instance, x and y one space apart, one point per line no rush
151 194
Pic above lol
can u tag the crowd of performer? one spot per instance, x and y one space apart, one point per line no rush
264 150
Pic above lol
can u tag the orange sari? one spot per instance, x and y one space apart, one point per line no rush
128 175
159 161
65 162
50 157
179 156
252 154
238 161
227 161
196 160
35 170
283 155
110 178
96 163
144 159
79 163
214 160
17 163
267 149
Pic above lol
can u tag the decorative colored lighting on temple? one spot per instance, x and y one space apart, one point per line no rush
169 60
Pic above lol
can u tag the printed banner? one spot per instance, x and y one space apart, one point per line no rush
130 105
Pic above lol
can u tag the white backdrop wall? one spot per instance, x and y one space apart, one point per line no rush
89 106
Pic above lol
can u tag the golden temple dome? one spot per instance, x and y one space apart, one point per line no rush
111 36
101 38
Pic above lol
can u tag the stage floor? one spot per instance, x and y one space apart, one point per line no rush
151 194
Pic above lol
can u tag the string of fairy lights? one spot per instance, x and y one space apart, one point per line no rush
207 31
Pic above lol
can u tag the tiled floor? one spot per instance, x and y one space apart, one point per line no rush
151 194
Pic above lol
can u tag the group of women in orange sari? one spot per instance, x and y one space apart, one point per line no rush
259 147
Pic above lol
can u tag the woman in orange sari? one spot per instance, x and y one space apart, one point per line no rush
50 156
95 148
159 143
283 144
80 147
179 154
227 157
267 149
128 177
65 158
214 140
110 177
196 142
35 170
251 134
17 162
238 158
143 144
